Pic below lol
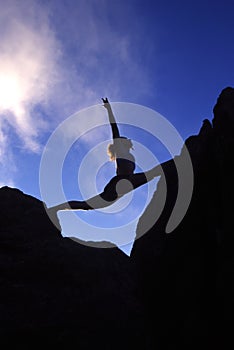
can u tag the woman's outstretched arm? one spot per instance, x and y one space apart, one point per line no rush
114 127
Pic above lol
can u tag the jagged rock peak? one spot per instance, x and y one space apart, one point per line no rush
10 195
206 127
223 120
226 94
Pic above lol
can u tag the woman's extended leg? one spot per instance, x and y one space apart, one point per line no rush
102 200
96 202
115 189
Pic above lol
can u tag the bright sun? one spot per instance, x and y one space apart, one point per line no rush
9 92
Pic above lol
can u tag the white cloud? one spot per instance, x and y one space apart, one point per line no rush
55 60
30 73
28 68
34 72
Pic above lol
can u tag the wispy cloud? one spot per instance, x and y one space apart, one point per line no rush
29 72
28 68
55 60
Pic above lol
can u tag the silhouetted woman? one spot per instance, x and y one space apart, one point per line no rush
125 179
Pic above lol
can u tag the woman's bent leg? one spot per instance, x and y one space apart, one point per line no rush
140 179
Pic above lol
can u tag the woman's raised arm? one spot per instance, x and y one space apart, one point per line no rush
114 127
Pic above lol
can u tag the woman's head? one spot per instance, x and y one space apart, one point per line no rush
113 147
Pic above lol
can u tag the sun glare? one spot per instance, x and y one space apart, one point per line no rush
9 92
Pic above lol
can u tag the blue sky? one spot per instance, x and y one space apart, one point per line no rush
59 57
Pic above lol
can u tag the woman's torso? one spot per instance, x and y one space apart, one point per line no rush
126 165
125 161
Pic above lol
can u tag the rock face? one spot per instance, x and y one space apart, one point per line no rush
175 291
55 291
186 278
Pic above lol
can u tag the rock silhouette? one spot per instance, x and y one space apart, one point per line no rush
185 278
175 291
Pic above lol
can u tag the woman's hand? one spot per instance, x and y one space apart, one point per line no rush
106 103
105 100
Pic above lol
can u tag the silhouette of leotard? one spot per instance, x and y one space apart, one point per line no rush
124 181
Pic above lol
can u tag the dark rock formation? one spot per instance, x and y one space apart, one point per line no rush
176 290
55 291
186 278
